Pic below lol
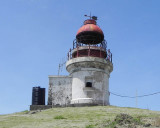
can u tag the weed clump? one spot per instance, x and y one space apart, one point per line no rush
128 121
90 126
59 117
123 119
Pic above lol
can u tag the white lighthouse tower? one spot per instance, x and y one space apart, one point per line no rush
89 64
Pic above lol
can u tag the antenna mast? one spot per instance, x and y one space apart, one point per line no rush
60 66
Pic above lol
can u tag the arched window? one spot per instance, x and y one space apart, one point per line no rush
88 84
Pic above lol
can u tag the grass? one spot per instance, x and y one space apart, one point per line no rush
90 126
59 117
125 120
75 117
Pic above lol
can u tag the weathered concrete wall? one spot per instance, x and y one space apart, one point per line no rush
94 70
60 90
75 64
98 93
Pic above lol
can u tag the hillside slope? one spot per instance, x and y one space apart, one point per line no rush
82 117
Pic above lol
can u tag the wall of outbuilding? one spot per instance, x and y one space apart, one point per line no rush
60 90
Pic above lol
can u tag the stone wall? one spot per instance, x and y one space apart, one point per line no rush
39 107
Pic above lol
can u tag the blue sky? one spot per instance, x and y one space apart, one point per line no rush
35 35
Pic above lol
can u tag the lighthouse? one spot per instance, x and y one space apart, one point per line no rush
89 65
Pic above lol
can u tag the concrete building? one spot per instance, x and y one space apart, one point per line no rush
89 65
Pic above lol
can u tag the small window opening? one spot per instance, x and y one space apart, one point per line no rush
88 84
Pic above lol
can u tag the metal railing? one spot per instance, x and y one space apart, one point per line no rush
77 50
102 47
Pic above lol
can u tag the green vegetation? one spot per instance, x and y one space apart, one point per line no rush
59 117
126 120
82 117
25 111
90 126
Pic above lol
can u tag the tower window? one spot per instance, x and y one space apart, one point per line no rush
88 84
88 81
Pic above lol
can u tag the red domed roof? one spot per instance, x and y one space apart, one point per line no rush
90 27
90 33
